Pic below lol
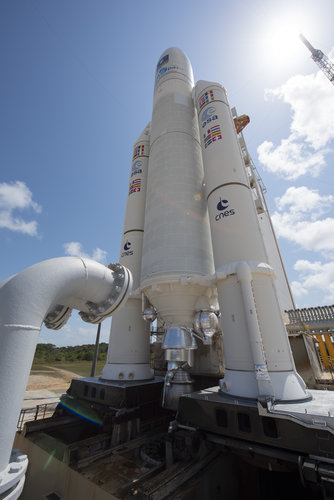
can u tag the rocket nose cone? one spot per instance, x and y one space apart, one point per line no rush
173 63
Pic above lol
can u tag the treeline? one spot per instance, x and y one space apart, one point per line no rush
49 353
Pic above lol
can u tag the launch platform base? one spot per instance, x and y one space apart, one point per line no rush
122 394
249 420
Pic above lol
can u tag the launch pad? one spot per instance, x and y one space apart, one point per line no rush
302 428
199 258
213 444
127 395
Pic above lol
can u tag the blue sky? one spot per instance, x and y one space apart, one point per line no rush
76 91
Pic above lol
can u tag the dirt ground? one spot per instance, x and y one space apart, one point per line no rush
45 386
53 379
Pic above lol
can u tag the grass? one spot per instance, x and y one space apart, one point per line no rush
82 368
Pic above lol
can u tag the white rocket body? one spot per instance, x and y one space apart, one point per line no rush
258 357
185 229
284 294
177 241
129 345
273 253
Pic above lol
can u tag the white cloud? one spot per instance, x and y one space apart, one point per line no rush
311 100
74 249
298 219
17 196
301 214
75 332
99 255
297 289
302 200
290 159
315 276
312 103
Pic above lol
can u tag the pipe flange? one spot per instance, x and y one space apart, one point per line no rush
12 477
58 317
121 287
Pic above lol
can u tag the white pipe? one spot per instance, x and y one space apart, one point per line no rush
25 301
255 338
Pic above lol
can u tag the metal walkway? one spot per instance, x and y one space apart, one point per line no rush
318 322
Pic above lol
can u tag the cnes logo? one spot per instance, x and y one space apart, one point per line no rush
127 249
224 211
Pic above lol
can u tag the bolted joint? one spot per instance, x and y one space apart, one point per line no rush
58 317
12 477
120 289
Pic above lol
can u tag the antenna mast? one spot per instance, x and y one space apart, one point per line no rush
321 59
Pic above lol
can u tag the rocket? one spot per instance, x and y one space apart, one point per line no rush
251 315
199 261
129 355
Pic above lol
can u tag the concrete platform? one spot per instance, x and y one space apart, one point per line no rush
40 397
318 412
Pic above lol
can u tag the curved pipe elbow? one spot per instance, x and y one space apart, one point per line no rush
50 289
36 293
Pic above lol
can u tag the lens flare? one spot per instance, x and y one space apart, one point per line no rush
80 408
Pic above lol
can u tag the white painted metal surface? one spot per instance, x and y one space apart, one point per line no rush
274 258
129 345
283 291
257 351
12 478
177 239
25 301
177 243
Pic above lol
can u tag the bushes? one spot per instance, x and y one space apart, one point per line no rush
49 353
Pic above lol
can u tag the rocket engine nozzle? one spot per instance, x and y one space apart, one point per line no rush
179 345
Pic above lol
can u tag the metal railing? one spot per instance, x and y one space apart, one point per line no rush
39 412
325 347
318 322
312 315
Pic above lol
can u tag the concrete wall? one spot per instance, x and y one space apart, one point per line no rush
46 474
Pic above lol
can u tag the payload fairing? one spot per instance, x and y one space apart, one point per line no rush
202 254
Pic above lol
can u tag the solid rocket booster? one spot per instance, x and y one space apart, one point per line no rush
283 290
274 257
258 357
129 345
177 239
176 261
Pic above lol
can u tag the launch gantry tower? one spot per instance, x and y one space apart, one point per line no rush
321 59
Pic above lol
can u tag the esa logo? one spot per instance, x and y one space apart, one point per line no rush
209 115
222 206
136 168
163 61
127 249
164 70
160 73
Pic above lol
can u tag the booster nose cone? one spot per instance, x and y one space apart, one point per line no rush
173 63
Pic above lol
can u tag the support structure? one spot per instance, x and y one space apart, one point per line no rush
325 64
47 292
